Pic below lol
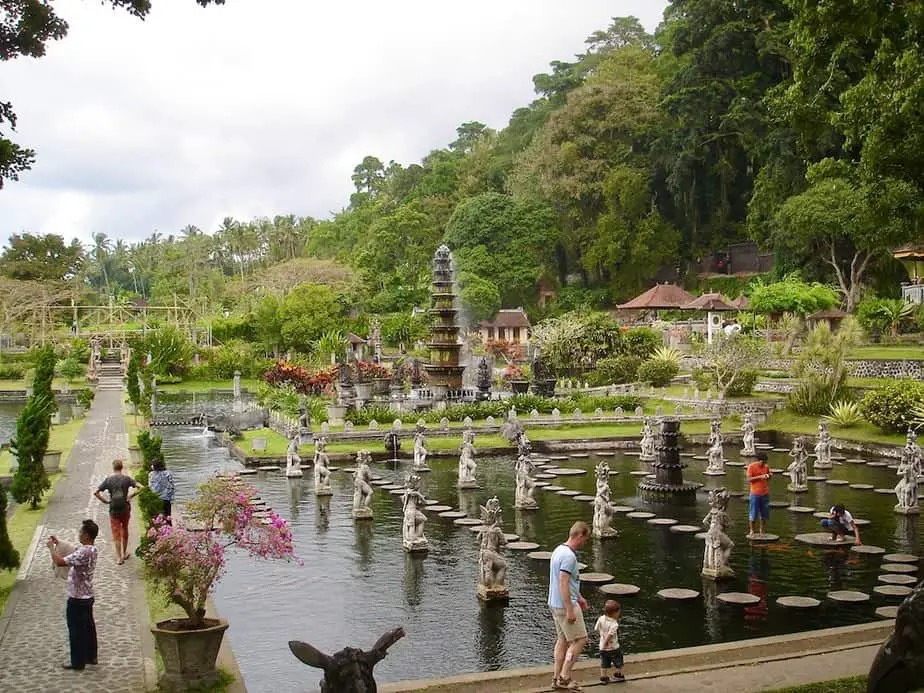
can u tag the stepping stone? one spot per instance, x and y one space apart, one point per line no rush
541 484
678 593
333 469
467 522
569 493
438 508
862 487
801 509
686 529
736 494
700 457
452 514
860 522
558 457
348 470
639 515
613 472
816 478
554 489
247 472
540 555
868 549
686 454
777 470
838 458
632 453
822 539
764 538
887 611
662 521
900 558
738 598
596 578
622 508
821 515
855 460
582 566
605 454
380 482
431 501
848 596
585 499
268 468
779 504
778 449
837 482
565 471
619 589
893 579
699 535
522 546
639 472
798 602
474 529
397 491
541 460
893 590
546 475
511 537
733 464
877 464
579 455
389 487
884 491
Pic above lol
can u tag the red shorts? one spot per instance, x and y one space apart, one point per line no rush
118 522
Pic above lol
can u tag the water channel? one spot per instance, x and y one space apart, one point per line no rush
357 582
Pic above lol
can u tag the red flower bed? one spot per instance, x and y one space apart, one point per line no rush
372 371
285 374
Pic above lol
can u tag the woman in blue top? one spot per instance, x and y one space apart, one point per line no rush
161 483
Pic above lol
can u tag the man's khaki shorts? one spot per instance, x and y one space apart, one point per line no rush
569 631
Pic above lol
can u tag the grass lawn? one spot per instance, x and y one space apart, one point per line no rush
879 351
57 384
677 391
785 420
251 384
855 684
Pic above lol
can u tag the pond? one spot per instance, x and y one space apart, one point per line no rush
9 411
357 582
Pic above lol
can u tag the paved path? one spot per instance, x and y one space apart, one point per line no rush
33 634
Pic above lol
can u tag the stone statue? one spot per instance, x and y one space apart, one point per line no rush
911 453
823 447
718 545
362 486
416 377
467 464
392 444
524 447
603 508
420 450
716 464
906 491
236 385
747 440
492 582
899 665
293 459
647 444
321 468
303 422
414 519
375 340
525 488
350 670
797 469
715 433
483 380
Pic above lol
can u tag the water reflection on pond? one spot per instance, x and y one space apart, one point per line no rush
357 582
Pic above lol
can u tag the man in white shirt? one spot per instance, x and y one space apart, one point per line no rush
841 522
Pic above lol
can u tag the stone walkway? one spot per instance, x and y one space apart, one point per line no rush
33 634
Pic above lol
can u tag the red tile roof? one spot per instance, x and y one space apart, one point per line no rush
659 296
508 317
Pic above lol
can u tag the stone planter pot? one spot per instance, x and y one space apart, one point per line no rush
519 387
134 456
381 386
189 655
52 461
335 414
363 391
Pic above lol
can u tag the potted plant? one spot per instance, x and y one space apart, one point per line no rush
519 383
184 565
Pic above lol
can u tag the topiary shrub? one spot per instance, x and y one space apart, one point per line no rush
656 372
618 369
891 407
9 556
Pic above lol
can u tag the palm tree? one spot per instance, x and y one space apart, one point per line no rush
102 247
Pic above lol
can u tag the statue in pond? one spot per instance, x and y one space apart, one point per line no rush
420 449
362 486
467 464
797 469
716 456
293 459
603 508
718 545
350 670
911 453
483 380
414 520
747 439
647 444
525 487
906 491
715 433
823 447
492 583
392 444
321 468
899 665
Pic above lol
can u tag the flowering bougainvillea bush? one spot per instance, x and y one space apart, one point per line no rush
185 562
303 381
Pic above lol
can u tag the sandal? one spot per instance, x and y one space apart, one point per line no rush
568 685
605 679
618 678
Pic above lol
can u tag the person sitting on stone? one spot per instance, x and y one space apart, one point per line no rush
841 522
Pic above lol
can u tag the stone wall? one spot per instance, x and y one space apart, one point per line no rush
859 368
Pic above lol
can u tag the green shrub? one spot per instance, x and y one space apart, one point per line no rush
84 397
640 342
236 355
844 414
71 368
891 407
656 372
32 430
9 556
12 371
814 395
871 317
628 403
743 385
375 412
615 370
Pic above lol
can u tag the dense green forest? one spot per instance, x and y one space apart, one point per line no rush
795 123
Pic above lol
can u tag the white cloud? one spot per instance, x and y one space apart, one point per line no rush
262 107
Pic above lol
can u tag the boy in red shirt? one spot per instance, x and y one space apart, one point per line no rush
759 503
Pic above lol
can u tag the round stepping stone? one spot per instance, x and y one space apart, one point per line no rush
838 458
736 494
778 449
678 593
268 468
554 489
474 529
848 596
860 522
639 515
700 457
605 454
801 509
884 491
900 558
619 589
438 508
622 508
638 472
877 464
348 470
569 493
632 453
764 538
396 491
777 470
798 602
837 482
662 521
333 469
816 478
892 590
862 487
868 549
389 487
545 475
511 537
558 457
541 460
467 522
540 555
686 454
452 514
733 464
380 482
613 472
579 455
541 484
246 472
699 535
738 598
522 546
894 579
779 504
822 539
585 499
855 460
685 529
596 578
887 611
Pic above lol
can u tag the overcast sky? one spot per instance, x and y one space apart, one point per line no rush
263 107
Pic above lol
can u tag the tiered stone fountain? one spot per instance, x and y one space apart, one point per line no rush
668 484
444 371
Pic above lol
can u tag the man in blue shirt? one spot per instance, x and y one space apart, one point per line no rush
568 606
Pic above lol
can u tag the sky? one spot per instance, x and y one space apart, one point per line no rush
263 107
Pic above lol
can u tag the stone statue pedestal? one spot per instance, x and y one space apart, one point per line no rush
294 473
416 545
647 458
747 453
323 492
362 514
468 485
493 594
608 533
912 510
421 470
823 465
533 506
714 473
304 436
797 489
724 573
